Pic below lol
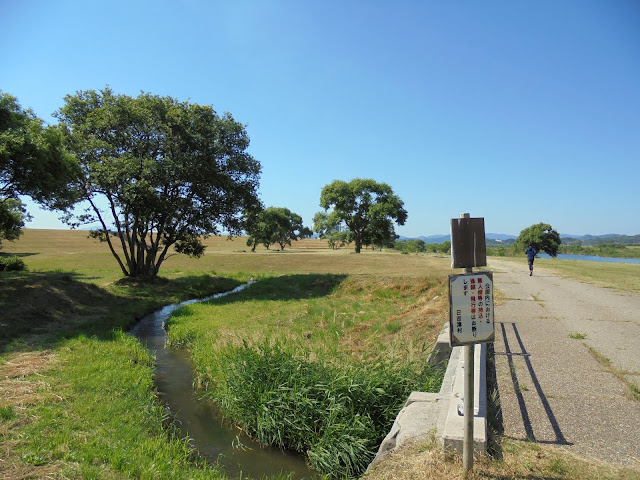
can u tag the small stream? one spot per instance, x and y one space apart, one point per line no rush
215 438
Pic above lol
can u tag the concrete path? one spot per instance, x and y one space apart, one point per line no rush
552 389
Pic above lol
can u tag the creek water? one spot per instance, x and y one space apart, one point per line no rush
216 439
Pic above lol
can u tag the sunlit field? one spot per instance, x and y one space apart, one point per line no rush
311 309
72 301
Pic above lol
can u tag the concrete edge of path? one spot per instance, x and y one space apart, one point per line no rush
439 416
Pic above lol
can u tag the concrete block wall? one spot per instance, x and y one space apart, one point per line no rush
440 415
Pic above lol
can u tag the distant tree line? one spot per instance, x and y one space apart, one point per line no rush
592 241
274 225
157 176
605 249
420 246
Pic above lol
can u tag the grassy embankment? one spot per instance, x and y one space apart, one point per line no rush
76 395
613 250
619 276
77 398
317 363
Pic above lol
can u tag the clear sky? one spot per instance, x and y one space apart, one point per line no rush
518 112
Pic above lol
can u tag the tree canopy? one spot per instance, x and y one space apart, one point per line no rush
157 173
327 228
368 208
543 238
13 215
33 162
275 225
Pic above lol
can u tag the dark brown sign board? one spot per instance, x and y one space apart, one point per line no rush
468 244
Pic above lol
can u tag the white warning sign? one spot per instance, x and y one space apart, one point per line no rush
471 308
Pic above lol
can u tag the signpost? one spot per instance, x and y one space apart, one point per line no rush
470 309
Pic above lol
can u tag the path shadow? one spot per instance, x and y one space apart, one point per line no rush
520 351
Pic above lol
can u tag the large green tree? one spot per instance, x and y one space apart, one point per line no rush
368 208
275 225
13 215
33 162
157 173
543 238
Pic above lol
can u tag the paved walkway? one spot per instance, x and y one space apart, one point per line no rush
552 389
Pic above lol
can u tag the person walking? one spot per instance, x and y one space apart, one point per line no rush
531 255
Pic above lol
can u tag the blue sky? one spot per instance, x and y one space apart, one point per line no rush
518 112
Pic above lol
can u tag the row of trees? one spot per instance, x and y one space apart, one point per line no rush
541 236
158 175
420 246
274 225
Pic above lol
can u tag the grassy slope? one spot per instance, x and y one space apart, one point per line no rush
50 386
328 348
619 276
69 381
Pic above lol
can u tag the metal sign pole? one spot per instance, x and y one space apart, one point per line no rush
467 452
468 350
470 311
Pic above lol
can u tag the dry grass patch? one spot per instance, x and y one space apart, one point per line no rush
19 384
20 388
518 460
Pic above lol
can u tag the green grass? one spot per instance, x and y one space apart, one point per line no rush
104 416
91 411
619 276
311 362
7 412
87 406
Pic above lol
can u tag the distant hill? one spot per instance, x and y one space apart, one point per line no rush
494 239
498 237
588 240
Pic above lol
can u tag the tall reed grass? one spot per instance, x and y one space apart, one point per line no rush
336 415
317 363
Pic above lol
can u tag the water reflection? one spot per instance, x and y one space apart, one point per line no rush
214 438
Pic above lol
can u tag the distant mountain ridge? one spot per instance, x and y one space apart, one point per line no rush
444 238
567 239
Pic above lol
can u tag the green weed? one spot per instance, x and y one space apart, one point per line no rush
7 413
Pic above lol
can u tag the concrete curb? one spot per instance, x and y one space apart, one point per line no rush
439 416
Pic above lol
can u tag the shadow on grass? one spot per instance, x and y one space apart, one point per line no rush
42 308
289 287
5 254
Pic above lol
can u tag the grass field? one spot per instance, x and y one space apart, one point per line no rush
619 276
76 394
